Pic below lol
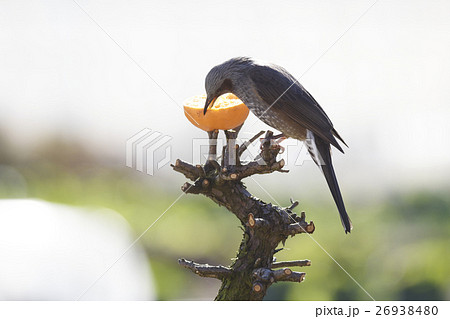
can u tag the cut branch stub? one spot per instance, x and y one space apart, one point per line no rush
251 220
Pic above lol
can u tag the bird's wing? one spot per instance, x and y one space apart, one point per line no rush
285 94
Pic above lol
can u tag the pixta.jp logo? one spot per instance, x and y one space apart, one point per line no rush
148 151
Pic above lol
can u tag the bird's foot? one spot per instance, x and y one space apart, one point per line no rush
270 148
278 136
275 141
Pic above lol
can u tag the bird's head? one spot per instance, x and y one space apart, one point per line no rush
217 83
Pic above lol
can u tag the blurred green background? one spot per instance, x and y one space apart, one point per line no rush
399 249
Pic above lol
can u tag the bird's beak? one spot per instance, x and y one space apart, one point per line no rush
209 102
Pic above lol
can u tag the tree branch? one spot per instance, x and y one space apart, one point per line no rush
246 144
293 263
265 225
286 274
265 276
205 270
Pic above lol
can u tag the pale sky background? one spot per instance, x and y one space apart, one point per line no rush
384 84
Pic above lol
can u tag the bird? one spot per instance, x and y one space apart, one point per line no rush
280 101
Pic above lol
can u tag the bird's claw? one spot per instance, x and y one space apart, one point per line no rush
274 143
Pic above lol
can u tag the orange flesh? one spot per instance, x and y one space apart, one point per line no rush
228 112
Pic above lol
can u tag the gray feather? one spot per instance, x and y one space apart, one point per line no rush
297 103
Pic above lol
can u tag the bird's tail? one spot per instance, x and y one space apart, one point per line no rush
320 151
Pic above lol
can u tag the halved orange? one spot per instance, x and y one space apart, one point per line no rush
227 113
